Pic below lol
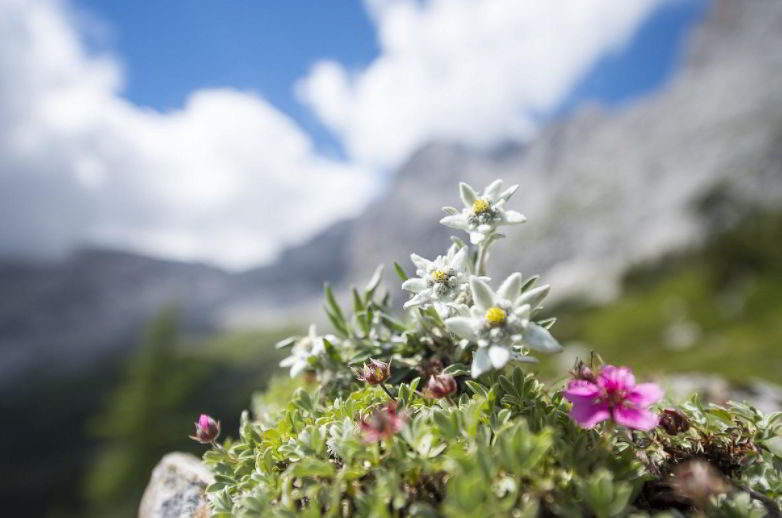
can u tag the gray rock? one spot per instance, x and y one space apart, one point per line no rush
176 489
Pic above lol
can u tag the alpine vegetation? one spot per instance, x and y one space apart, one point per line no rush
429 413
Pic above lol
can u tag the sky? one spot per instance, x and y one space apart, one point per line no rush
224 131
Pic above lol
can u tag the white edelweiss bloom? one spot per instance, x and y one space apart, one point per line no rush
304 352
482 214
499 323
440 282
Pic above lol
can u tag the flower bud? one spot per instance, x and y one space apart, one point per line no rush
440 386
673 421
375 372
580 371
207 430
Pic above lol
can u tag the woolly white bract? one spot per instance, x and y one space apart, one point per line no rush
482 214
499 323
440 282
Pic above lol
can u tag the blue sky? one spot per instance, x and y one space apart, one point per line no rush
174 47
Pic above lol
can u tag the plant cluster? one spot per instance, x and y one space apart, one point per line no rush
425 416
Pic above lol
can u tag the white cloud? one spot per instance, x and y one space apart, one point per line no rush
472 71
227 179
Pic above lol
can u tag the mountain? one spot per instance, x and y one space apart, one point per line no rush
603 189
58 317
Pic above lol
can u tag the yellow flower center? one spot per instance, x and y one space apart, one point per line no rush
439 276
480 206
496 316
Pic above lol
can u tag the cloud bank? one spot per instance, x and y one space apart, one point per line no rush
229 179
470 71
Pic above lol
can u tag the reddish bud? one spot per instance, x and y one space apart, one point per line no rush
207 430
673 421
440 386
375 372
581 371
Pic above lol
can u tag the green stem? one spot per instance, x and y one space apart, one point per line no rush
480 263
390 396
483 254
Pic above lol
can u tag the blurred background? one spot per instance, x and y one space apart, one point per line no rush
179 178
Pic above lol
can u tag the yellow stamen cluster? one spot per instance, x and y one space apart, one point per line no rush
480 206
439 276
496 316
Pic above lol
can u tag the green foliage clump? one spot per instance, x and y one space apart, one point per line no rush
443 422
504 447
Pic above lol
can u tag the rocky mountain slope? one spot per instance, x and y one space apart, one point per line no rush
603 189
56 318
606 189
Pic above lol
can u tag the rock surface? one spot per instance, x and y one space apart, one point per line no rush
176 489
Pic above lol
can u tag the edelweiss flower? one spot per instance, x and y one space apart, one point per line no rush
482 214
305 352
499 323
440 281
613 395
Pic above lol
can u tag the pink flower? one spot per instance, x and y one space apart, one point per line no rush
207 429
613 395
383 423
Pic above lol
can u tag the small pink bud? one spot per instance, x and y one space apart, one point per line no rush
207 430
440 386
375 372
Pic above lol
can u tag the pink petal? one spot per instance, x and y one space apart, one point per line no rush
635 418
645 394
581 390
620 378
588 415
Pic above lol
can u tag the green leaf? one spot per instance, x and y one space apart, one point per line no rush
332 302
457 369
331 351
477 388
393 324
358 304
400 271
374 282
339 325
310 467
